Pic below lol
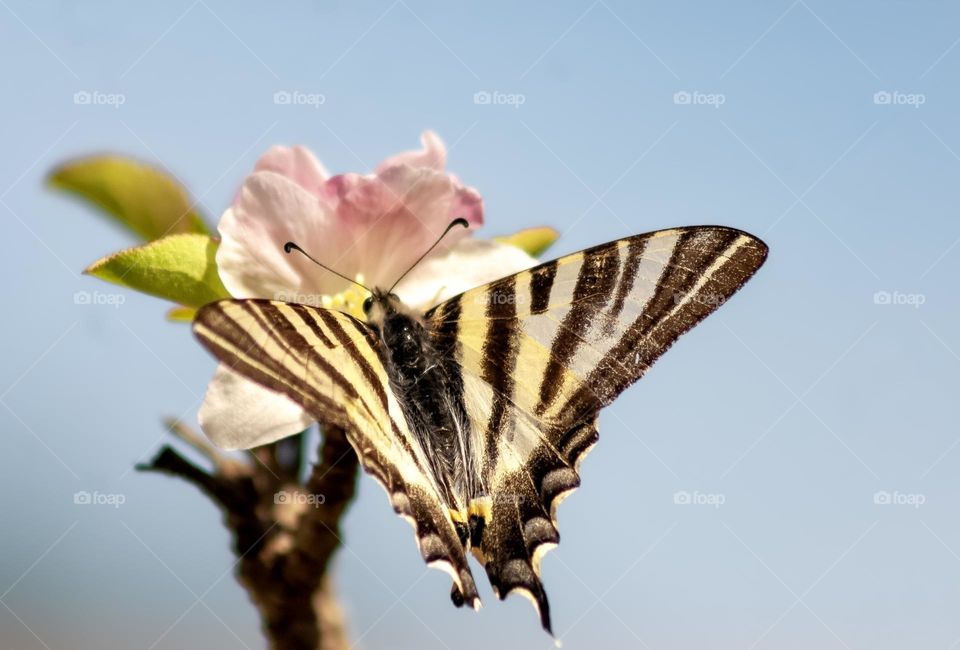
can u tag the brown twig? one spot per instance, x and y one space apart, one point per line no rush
285 530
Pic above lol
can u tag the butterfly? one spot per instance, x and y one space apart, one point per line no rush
476 414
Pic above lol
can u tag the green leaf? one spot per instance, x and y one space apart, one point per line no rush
142 198
535 241
181 268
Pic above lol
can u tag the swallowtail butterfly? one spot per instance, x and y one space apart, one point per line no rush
476 414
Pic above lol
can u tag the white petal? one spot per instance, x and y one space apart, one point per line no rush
239 414
471 263
270 211
296 163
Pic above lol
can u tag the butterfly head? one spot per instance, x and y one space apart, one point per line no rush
381 305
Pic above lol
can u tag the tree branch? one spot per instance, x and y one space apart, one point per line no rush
285 530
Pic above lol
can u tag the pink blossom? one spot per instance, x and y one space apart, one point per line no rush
377 224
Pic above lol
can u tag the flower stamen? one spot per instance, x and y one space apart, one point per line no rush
349 300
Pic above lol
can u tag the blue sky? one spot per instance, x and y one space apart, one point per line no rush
827 129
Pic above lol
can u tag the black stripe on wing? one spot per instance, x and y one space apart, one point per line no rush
500 359
595 285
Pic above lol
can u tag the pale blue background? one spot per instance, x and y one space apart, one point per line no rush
797 402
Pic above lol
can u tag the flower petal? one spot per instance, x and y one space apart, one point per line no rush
471 263
239 414
296 163
270 211
433 155
468 205
392 219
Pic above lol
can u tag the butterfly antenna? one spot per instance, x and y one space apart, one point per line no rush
456 222
291 246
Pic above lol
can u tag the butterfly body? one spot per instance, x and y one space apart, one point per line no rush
427 389
476 414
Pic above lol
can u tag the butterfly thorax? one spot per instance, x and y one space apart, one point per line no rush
425 386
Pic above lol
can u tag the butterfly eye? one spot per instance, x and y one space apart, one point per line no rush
368 305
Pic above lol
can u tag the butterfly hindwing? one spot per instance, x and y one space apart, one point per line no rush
540 352
330 364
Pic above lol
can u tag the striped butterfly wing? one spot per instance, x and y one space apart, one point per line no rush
542 351
331 364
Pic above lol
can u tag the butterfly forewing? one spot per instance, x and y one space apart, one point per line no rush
330 363
542 351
